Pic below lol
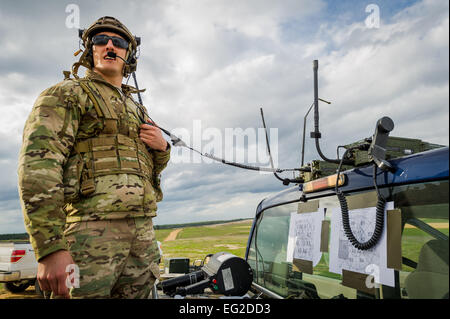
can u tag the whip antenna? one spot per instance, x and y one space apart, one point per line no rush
285 181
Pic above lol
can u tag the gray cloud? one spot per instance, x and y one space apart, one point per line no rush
11 217
220 62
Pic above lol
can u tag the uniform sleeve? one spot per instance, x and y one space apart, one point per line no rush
48 137
160 160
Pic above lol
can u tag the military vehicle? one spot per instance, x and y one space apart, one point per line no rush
371 224
397 189
419 190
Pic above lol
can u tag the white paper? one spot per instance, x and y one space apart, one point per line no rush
344 256
304 236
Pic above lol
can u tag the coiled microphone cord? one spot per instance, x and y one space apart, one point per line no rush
379 222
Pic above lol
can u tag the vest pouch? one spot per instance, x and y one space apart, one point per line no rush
87 187
71 178
87 183
87 179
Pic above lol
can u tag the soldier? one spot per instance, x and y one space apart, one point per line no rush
89 175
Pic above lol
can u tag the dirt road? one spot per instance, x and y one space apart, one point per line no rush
173 235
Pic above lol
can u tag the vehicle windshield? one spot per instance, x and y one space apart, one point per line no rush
424 249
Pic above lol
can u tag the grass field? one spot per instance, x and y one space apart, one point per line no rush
196 242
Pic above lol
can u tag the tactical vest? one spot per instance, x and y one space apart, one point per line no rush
117 148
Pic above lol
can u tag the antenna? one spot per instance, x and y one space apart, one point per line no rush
304 129
285 181
137 88
316 134
304 132
267 137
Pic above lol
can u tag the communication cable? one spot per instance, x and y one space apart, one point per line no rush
379 219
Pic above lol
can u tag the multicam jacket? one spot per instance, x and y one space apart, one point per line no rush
82 159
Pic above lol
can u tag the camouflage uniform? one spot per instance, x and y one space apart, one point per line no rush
89 185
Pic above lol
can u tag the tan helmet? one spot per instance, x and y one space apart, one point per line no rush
107 24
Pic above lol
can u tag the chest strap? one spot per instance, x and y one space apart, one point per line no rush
103 108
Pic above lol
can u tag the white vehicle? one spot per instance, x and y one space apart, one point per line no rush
18 266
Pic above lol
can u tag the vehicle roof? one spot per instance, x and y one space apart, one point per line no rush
420 167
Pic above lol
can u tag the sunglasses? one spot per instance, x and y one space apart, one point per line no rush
102 39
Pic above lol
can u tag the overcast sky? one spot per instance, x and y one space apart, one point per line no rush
208 66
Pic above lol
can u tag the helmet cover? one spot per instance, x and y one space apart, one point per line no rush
112 25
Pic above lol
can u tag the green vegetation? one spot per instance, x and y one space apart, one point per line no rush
196 242
214 231
169 227
213 222
412 241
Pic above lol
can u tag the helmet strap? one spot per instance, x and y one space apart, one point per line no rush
83 61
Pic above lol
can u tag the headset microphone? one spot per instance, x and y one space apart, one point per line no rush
114 55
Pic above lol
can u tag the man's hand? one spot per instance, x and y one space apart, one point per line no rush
51 273
152 137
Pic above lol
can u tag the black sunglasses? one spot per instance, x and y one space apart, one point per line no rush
102 39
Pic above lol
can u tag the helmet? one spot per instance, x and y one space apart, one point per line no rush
107 24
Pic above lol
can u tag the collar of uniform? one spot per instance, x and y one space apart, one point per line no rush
126 89
91 75
94 76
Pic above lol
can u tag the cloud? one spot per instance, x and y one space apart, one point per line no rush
399 70
219 62
11 217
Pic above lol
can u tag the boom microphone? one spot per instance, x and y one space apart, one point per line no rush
114 55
